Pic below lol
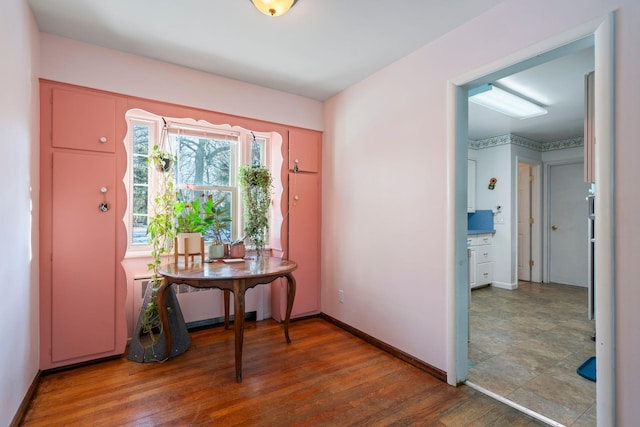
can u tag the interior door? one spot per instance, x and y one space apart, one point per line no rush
524 225
83 267
304 240
568 232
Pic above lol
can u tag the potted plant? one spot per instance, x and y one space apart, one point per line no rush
219 220
191 224
197 218
160 159
255 182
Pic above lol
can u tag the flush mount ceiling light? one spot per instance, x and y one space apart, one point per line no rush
273 7
505 102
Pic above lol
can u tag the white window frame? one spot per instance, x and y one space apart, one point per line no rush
242 155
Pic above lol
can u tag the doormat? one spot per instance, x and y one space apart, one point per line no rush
588 369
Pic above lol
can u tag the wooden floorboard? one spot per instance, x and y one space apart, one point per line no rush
325 377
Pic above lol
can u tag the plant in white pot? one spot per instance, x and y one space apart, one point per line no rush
255 182
191 224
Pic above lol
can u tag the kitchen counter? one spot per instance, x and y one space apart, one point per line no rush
480 231
480 222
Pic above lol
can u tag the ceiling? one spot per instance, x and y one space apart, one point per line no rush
557 85
316 50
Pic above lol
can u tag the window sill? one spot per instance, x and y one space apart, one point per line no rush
137 253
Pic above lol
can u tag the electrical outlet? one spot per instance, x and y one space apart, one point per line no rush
341 296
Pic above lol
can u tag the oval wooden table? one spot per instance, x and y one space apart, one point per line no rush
234 277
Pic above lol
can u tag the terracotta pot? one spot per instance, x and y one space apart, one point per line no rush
237 251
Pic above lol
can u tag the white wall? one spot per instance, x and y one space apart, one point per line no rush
82 64
19 116
384 182
571 154
495 162
500 161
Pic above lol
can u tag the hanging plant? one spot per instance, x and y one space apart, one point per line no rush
255 183
159 157
161 231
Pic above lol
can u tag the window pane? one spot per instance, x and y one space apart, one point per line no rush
140 139
140 170
257 152
140 199
139 232
203 161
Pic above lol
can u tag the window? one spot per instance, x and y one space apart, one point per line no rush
208 159
143 133
206 167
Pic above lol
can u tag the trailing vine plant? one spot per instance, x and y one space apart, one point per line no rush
255 183
161 231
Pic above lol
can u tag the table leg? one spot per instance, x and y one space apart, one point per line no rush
238 323
164 315
291 294
226 308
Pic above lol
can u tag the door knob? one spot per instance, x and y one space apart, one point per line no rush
554 227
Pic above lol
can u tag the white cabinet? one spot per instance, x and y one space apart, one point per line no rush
471 185
480 259
473 271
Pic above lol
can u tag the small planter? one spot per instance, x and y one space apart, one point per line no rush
237 251
216 251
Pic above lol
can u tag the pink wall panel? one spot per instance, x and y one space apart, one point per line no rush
304 150
85 121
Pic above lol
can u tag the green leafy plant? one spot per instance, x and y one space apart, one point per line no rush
199 217
191 217
161 231
220 218
256 184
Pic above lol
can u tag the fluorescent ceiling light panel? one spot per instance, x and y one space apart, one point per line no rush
505 102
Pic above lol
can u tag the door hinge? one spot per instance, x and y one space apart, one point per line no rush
531 221
531 178
531 263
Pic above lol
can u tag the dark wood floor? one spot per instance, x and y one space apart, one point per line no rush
326 376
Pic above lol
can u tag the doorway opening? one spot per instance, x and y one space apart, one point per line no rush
457 368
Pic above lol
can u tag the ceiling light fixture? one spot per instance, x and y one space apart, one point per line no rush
504 102
273 7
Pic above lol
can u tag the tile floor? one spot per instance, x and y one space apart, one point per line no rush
526 345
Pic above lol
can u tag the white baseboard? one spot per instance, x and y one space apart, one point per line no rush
502 285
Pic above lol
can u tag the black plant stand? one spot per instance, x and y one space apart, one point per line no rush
142 350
